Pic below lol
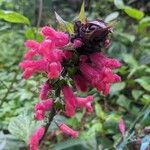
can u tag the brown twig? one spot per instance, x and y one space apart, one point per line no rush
40 13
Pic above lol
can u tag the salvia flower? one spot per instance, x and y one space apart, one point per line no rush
63 58
122 126
46 87
67 130
35 138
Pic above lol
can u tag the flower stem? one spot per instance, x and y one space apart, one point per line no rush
51 116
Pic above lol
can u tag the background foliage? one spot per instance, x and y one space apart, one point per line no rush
129 99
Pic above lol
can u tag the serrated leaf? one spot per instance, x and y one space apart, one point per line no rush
82 16
111 16
22 127
134 13
13 17
119 4
64 25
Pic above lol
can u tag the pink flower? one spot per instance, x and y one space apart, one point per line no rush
68 54
99 72
46 47
77 43
102 61
35 139
41 108
45 105
59 38
33 48
31 44
54 70
70 101
39 115
82 101
122 126
46 87
67 130
33 66
89 107
85 102
80 83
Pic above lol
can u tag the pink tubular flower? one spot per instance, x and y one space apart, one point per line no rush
69 61
81 102
41 108
60 38
70 101
33 48
39 115
89 107
85 102
99 72
33 66
45 105
80 83
46 87
67 130
101 60
54 70
35 139
122 126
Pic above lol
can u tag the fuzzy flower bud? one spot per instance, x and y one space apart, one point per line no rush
35 139
67 130
70 101
46 87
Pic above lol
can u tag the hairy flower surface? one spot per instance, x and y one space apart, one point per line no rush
67 130
35 138
122 126
70 62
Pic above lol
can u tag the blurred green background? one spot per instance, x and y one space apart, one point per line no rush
130 99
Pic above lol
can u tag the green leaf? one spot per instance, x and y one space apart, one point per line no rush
99 112
82 16
30 34
64 24
144 82
134 13
111 16
13 17
126 36
22 127
9 142
130 60
113 117
116 87
119 4
143 26
123 101
145 99
136 94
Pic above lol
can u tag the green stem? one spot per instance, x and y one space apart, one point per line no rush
132 126
51 116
